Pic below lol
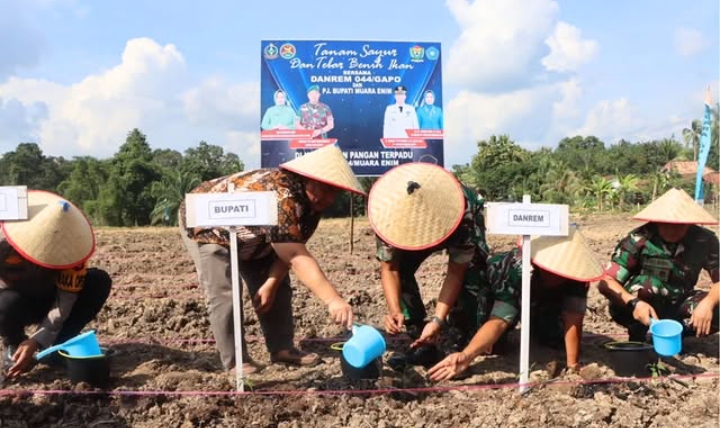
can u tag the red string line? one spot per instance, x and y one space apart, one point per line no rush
379 391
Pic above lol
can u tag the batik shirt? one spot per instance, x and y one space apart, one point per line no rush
465 245
314 116
33 281
296 219
643 260
502 299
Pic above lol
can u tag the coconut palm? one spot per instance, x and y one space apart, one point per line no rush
599 188
560 184
169 192
692 137
626 184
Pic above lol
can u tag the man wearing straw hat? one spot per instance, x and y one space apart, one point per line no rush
654 270
563 268
44 278
417 209
305 187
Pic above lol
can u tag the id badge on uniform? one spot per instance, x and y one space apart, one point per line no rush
660 268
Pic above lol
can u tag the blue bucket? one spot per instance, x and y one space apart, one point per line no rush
667 336
364 347
83 345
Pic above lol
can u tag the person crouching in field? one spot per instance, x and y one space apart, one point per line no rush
655 268
44 279
305 187
562 269
417 209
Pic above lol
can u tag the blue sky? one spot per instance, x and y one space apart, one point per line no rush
77 75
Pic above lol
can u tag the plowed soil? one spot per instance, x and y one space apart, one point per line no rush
166 373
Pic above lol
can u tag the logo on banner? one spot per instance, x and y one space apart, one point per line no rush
417 53
270 51
432 53
287 51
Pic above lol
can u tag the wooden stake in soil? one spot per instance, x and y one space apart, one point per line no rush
237 303
230 210
352 225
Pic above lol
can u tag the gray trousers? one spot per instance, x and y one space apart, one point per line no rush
212 262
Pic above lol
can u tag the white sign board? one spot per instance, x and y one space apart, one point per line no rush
13 203
527 219
231 209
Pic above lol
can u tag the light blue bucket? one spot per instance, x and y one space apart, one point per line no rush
365 345
667 336
83 345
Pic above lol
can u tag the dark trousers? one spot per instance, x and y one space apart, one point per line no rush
212 263
18 310
465 310
680 312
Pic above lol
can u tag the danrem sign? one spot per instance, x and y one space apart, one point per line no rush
527 219
380 102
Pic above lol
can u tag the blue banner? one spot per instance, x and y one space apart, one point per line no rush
703 153
380 102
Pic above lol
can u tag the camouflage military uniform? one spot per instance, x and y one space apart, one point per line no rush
663 274
501 299
466 245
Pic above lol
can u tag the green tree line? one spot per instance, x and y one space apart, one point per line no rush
139 186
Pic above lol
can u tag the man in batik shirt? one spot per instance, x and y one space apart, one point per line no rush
654 270
305 187
315 115
416 210
562 270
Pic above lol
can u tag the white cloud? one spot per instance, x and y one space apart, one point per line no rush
501 43
568 50
571 93
689 41
616 119
18 122
94 115
525 115
504 61
148 89
216 102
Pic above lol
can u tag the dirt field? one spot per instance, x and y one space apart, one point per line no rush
155 322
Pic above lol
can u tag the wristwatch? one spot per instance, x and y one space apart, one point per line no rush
438 321
632 303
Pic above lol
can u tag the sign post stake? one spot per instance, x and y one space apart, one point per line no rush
526 219
231 209
237 304
525 309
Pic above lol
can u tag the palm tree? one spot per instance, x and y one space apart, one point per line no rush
560 184
169 192
600 188
670 148
692 137
626 184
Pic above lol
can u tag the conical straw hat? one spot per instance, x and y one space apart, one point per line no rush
327 165
56 234
566 256
675 206
415 206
